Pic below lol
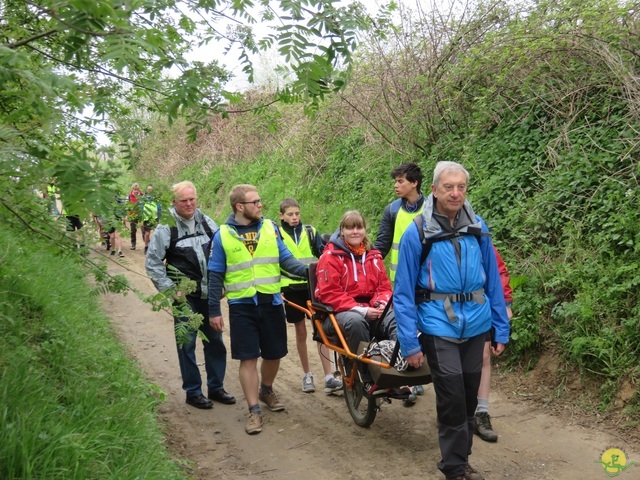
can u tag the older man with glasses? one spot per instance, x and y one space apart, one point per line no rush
184 248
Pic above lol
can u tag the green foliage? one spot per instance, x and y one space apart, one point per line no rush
355 177
74 405
70 70
528 321
173 300
349 178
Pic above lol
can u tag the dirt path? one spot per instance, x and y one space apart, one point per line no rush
315 437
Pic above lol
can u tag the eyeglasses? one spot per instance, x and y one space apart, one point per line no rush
255 202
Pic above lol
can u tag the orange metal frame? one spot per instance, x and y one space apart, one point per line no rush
343 349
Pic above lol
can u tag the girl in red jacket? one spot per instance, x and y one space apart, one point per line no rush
352 279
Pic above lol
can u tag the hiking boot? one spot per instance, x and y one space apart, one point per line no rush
120 254
254 424
482 427
271 399
307 383
401 393
332 385
471 473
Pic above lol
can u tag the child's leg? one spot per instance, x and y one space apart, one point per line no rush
324 353
332 384
485 379
301 344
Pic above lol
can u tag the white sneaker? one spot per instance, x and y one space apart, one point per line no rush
307 383
332 385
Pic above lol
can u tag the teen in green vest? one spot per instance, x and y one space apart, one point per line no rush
306 245
399 214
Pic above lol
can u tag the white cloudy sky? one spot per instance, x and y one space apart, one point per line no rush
264 63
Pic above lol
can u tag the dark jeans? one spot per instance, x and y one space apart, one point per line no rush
456 369
215 354
134 231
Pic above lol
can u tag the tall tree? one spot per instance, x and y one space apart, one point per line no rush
60 59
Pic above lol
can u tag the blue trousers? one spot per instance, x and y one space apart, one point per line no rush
215 354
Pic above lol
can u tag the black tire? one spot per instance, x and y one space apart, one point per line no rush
362 409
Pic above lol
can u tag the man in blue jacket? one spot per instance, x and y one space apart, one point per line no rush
447 297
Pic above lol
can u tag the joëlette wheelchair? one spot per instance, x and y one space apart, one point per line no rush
363 404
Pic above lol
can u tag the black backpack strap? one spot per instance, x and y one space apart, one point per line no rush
311 235
174 235
426 243
174 239
207 229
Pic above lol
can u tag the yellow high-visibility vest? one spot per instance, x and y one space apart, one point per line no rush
246 275
403 220
302 251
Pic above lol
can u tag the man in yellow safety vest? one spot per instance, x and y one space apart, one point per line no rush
246 256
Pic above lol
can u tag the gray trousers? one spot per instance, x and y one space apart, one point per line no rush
456 369
356 329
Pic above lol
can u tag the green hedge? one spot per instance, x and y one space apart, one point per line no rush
74 406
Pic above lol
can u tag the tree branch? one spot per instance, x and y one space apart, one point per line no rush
30 39
55 16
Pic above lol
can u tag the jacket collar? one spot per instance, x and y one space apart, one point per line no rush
434 223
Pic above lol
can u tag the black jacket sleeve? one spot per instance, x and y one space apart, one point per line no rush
384 240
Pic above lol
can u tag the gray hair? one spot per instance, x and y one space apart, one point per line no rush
446 166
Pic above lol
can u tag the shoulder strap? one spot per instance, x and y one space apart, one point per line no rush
174 238
174 235
311 234
427 242
207 229
395 208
